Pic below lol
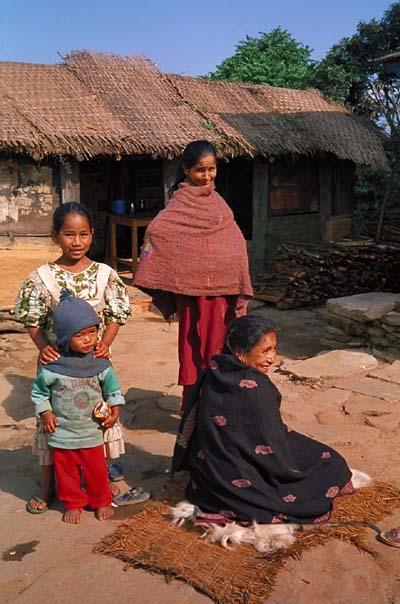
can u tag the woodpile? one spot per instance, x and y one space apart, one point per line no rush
390 229
307 275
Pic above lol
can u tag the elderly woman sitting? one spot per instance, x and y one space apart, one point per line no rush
245 464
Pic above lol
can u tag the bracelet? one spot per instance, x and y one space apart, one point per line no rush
44 412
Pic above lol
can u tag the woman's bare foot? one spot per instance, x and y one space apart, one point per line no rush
40 502
72 516
104 513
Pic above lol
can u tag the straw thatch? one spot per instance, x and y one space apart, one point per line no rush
133 89
102 104
44 109
281 121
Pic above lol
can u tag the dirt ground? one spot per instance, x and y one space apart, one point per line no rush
58 565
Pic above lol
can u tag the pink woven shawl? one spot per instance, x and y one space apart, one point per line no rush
194 247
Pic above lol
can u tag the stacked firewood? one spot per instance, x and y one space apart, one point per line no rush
389 221
390 229
306 275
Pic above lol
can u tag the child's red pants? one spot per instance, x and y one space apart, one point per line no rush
68 464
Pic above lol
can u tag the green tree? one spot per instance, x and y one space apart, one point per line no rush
351 72
274 58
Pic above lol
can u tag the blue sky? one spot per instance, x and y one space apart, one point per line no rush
184 37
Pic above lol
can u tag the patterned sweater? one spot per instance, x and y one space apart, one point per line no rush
34 305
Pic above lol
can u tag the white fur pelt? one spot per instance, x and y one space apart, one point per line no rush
183 512
360 479
263 537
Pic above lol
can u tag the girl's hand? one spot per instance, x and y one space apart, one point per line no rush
241 307
49 421
102 351
112 419
48 353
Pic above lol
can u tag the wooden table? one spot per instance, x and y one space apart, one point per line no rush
134 222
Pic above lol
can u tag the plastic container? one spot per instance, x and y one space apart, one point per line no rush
118 206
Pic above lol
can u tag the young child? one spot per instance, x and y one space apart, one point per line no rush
92 281
66 394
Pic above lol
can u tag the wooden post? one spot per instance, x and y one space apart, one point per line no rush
260 216
325 194
134 246
389 187
113 245
70 181
170 170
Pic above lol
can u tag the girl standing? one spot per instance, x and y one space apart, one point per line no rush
39 294
194 261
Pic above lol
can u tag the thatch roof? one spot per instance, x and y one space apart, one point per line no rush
44 109
280 121
102 104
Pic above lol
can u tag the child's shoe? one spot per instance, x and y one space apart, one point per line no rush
115 471
134 495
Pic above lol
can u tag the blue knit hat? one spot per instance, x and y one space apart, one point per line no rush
70 316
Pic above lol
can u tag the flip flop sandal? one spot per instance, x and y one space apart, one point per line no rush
134 495
391 537
29 508
115 472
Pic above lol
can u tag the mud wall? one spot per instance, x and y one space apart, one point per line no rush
28 197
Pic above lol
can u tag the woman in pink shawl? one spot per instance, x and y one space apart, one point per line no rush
194 261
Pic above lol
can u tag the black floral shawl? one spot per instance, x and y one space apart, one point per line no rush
244 462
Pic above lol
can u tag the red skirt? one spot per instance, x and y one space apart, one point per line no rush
202 324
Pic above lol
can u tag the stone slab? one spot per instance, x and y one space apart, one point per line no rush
388 374
328 406
372 406
329 343
332 397
385 423
334 364
345 324
363 307
371 387
336 331
392 318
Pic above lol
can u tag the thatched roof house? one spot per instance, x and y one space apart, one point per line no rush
99 104
288 152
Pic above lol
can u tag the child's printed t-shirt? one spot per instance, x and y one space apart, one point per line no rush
72 401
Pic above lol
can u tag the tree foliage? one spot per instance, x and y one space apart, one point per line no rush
274 58
351 72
